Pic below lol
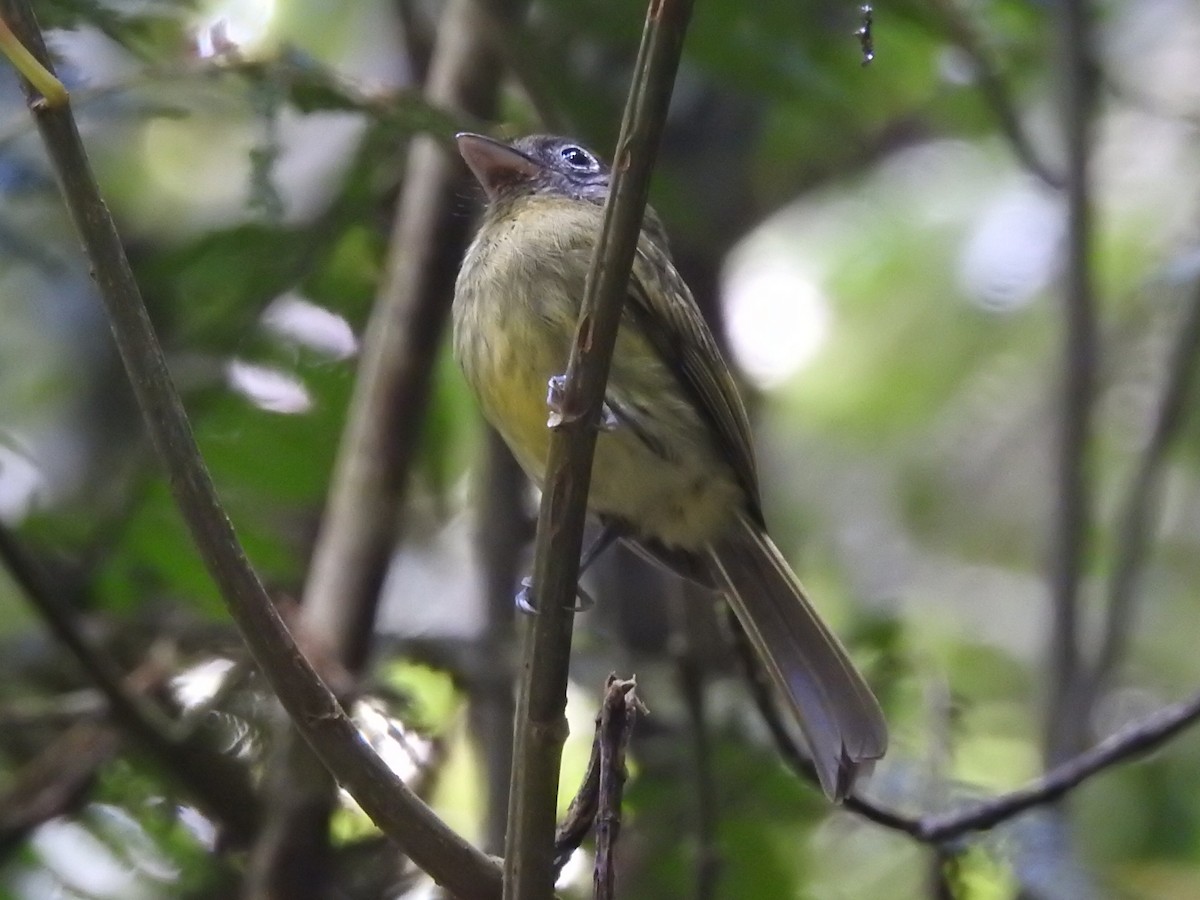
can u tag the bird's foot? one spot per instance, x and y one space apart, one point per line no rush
524 599
559 416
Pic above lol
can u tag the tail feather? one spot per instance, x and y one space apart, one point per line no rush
838 715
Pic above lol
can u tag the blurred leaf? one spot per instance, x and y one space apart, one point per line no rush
763 818
151 29
212 290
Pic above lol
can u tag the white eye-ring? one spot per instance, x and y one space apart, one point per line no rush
578 158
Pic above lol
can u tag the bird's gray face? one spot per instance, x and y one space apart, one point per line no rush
537 164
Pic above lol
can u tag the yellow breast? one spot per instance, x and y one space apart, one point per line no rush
515 310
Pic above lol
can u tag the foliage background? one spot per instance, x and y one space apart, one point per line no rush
888 272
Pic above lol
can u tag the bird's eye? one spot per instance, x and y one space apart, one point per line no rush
577 158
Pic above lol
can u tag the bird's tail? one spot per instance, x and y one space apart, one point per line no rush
838 714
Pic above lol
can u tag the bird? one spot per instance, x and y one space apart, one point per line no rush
674 474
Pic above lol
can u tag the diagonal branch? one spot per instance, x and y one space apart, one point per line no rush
57 782
1137 518
403 337
217 784
1124 746
141 717
1121 747
581 814
599 792
541 726
42 79
996 92
429 842
382 436
308 84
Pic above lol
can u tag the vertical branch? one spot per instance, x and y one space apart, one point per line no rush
418 38
1066 719
402 341
942 863
688 645
381 439
541 724
505 526
617 717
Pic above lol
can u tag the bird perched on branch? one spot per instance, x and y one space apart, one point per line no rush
674 472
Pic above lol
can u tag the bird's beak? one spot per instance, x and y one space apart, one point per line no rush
494 164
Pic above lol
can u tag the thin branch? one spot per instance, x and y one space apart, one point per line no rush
618 714
417 26
56 782
505 527
942 866
310 86
996 93
1137 519
142 718
581 814
688 647
541 725
1066 715
614 726
217 784
430 842
401 344
1123 746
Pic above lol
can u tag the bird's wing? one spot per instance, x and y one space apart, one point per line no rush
671 320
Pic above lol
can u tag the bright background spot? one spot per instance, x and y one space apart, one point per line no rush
778 319
1012 250
242 23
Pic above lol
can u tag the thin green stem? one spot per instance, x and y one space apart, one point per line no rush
52 91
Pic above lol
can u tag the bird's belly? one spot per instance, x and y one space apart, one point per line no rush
659 470
680 502
671 487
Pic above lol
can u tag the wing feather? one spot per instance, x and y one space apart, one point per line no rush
673 324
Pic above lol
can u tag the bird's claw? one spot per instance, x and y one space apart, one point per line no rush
524 598
559 417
